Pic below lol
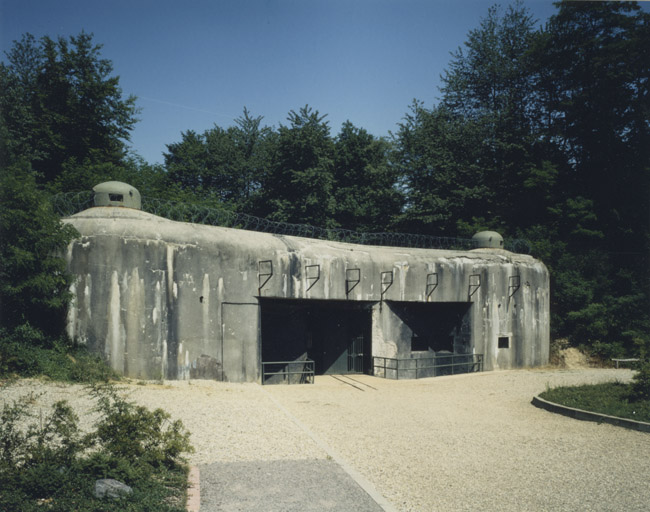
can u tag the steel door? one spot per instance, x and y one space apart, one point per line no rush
355 355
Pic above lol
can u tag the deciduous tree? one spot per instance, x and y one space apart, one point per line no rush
60 105
299 187
365 192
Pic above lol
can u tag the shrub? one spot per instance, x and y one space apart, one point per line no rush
28 352
605 351
36 458
640 389
50 464
134 432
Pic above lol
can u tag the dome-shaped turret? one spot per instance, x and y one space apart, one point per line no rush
116 193
488 240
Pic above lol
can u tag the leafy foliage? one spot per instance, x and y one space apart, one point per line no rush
33 281
60 106
436 155
297 173
226 165
543 134
365 196
52 462
641 384
133 432
300 186
28 352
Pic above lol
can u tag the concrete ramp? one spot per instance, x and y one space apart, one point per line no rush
282 486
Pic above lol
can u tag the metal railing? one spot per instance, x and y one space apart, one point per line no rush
420 367
66 204
285 372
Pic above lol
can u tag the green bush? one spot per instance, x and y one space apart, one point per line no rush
28 352
132 431
640 389
36 459
605 351
49 464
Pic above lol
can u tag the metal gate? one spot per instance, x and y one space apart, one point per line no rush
355 355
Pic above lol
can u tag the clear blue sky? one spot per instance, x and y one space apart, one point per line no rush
194 64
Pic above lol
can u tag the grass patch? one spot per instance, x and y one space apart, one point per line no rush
611 398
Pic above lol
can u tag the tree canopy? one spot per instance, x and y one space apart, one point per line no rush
61 108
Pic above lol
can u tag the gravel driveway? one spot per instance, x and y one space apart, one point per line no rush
464 442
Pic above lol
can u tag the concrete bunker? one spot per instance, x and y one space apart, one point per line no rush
165 299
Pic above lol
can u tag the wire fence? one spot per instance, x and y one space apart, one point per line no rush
69 203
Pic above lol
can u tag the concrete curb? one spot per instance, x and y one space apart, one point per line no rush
580 414
194 490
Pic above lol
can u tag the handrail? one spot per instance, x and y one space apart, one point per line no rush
306 373
433 366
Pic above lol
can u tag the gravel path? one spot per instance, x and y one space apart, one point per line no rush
465 442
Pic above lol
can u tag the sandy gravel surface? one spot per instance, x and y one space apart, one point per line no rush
474 442
465 442
227 422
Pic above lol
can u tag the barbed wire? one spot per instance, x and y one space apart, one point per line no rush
66 204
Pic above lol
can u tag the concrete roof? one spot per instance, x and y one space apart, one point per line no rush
137 224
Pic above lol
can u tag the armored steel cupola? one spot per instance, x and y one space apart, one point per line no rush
116 193
488 240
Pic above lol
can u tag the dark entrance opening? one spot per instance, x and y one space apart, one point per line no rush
436 326
436 339
334 334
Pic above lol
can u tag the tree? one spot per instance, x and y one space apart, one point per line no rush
545 134
60 105
224 163
33 281
254 144
186 162
436 154
489 84
299 186
365 193
593 82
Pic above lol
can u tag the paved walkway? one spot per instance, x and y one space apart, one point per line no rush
282 486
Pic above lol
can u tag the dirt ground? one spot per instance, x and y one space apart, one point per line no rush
573 359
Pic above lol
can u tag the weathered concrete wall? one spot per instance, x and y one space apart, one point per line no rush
165 299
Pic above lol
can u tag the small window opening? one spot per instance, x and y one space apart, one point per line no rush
116 197
504 342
